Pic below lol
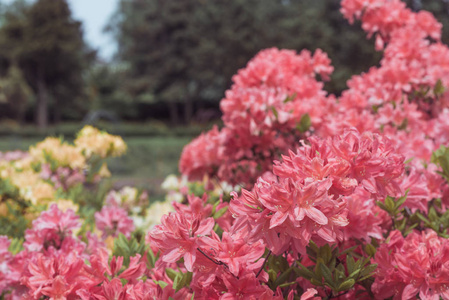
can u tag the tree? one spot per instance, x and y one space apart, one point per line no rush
48 46
16 93
180 52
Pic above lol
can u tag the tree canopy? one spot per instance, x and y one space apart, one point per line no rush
182 52
47 44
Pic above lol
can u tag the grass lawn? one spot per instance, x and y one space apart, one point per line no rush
146 164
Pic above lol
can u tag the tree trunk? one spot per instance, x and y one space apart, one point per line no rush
173 110
21 110
42 101
57 113
188 110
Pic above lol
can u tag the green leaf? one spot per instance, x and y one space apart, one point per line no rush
369 270
316 282
214 208
177 282
287 284
370 250
16 245
348 250
346 285
432 215
389 203
325 253
272 275
283 277
304 123
381 205
305 272
127 248
151 258
275 112
188 278
439 89
350 263
290 98
408 160
401 200
161 283
422 218
279 263
355 273
327 275
171 273
221 212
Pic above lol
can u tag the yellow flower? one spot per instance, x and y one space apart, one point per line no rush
64 205
64 154
24 163
92 141
104 171
41 193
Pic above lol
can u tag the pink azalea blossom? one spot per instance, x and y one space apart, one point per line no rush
112 220
52 229
178 236
417 264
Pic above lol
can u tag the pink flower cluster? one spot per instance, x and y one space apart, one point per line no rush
260 112
62 177
404 99
223 268
13 155
113 220
306 196
407 90
417 264
372 144
53 265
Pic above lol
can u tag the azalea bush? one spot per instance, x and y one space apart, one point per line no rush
300 195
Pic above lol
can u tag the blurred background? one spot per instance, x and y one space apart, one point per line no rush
154 71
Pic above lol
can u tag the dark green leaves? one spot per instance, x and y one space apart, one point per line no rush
128 248
441 158
304 124
328 267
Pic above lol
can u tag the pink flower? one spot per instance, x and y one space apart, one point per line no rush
178 236
261 113
196 207
246 287
364 216
235 252
56 277
51 229
290 211
417 264
5 257
112 220
202 156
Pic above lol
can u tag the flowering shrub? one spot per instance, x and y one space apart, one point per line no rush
301 195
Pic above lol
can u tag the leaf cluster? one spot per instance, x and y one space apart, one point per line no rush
128 248
335 270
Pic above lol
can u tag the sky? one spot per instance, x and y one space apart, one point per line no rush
94 14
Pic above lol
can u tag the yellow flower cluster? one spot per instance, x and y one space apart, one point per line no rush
26 173
31 187
95 142
62 153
